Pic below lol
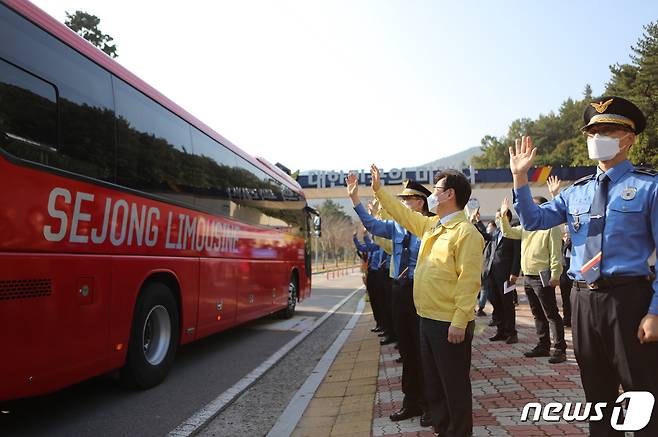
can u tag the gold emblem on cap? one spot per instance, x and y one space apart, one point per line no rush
601 106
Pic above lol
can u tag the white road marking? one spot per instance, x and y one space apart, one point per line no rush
194 423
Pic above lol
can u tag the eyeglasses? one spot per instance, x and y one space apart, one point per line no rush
606 131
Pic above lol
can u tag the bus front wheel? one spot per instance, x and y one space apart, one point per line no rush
153 339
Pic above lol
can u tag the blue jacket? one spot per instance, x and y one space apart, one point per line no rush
374 252
394 232
631 220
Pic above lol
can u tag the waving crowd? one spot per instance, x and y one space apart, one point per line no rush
430 266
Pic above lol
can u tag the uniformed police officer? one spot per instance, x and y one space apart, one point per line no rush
378 288
372 285
613 221
405 319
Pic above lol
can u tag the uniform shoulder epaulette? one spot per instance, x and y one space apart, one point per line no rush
646 171
584 179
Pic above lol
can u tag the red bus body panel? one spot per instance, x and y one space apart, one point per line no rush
74 254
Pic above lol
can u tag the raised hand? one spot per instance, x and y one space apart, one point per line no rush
352 185
504 207
374 174
522 156
553 184
475 215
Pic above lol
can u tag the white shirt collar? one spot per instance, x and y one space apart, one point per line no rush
447 218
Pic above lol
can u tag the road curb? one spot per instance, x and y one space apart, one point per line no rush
288 420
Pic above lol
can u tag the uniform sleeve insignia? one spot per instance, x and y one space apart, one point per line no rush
645 171
584 179
601 106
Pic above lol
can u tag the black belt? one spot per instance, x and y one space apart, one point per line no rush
614 281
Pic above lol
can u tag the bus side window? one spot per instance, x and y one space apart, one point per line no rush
79 113
28 115
211 173
153 145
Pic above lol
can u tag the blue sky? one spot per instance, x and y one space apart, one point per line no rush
340 84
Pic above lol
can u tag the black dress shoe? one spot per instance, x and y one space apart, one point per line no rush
558 356
498 337
405 413
386 340
538 351
426 419
512 339
377 329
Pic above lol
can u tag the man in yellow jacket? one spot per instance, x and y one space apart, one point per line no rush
447 281
541 255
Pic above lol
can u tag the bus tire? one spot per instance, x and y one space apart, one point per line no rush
293 295
153 339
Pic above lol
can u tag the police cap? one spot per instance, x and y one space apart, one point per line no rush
413 188
614 110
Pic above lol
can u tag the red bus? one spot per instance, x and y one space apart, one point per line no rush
127 226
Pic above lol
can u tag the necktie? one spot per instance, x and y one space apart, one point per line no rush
404 258
591 269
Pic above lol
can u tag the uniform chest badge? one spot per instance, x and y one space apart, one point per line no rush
629 193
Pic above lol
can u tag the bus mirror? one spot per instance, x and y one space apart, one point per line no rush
317 225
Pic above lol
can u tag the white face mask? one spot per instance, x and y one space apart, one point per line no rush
433 202
603 148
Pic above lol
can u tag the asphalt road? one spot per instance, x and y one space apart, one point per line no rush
202 371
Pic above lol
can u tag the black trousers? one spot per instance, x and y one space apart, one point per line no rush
565 291
407 327
375 296
605 324
504 311
446 367
544 310
385 284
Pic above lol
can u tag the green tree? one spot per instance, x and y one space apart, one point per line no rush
638 81
329 208
494 153
337 229
86 25
557 134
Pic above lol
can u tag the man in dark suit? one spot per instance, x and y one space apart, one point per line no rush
502 263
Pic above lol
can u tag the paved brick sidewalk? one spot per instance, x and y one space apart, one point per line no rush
503 381
355 399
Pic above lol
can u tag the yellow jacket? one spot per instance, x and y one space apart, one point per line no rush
540 250
447 276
